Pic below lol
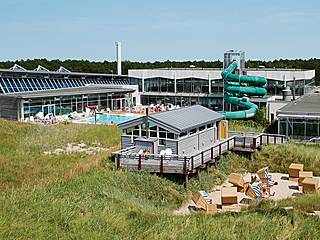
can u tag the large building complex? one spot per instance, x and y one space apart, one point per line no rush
24 93
190 86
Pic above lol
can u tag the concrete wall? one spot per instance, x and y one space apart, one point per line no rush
9 107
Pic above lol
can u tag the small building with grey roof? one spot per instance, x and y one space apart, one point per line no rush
300 119
183 131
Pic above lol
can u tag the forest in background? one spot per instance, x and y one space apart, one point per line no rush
110 67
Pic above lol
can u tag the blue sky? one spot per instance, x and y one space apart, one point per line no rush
159 30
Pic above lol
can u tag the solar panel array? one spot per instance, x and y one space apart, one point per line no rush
27 84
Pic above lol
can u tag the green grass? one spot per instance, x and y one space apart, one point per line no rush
245 126
81 197
22 146
277 157
110 206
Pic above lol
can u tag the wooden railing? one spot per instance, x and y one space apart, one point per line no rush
127 158
130 160
255 140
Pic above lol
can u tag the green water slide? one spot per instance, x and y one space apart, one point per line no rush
236 87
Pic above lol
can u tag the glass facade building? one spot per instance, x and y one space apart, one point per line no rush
300 119
59 105
189 86
24 93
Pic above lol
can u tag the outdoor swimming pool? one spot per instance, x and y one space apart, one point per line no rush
109 119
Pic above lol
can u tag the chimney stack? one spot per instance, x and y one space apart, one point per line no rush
118 46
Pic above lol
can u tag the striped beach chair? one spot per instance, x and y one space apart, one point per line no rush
256 189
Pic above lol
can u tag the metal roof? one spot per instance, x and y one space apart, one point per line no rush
20 70
179 120
306 105
91 89
183 119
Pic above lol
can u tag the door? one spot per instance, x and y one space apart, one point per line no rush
49 108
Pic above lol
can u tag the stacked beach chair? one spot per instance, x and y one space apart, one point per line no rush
306 181
204 202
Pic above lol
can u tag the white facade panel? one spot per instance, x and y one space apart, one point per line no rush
283 75
215 74
207 74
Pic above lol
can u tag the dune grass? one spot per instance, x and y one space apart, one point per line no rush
107 205
81 197
22 147
245 126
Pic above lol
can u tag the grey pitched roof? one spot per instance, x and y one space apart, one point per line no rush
179 120
131 123
183 119
306 105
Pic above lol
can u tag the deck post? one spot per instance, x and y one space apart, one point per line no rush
228 145
202 160
139 163
234 142
254 144
161 165
281 139
192 163
267 139
274 139
118 162
220 151
244 142
185 172
261 143
211 157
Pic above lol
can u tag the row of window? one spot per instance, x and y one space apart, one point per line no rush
164 134
195 130
196 85
153 132
299 128
65 105
14 85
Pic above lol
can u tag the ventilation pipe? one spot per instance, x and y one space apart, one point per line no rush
118 46
294 88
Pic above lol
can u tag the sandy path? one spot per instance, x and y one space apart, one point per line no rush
284 189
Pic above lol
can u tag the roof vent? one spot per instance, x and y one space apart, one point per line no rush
41 69
17 67
63 70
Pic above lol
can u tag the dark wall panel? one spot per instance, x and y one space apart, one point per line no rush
8 107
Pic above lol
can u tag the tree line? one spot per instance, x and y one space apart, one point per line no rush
111 67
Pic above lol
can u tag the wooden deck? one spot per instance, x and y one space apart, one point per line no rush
174 164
